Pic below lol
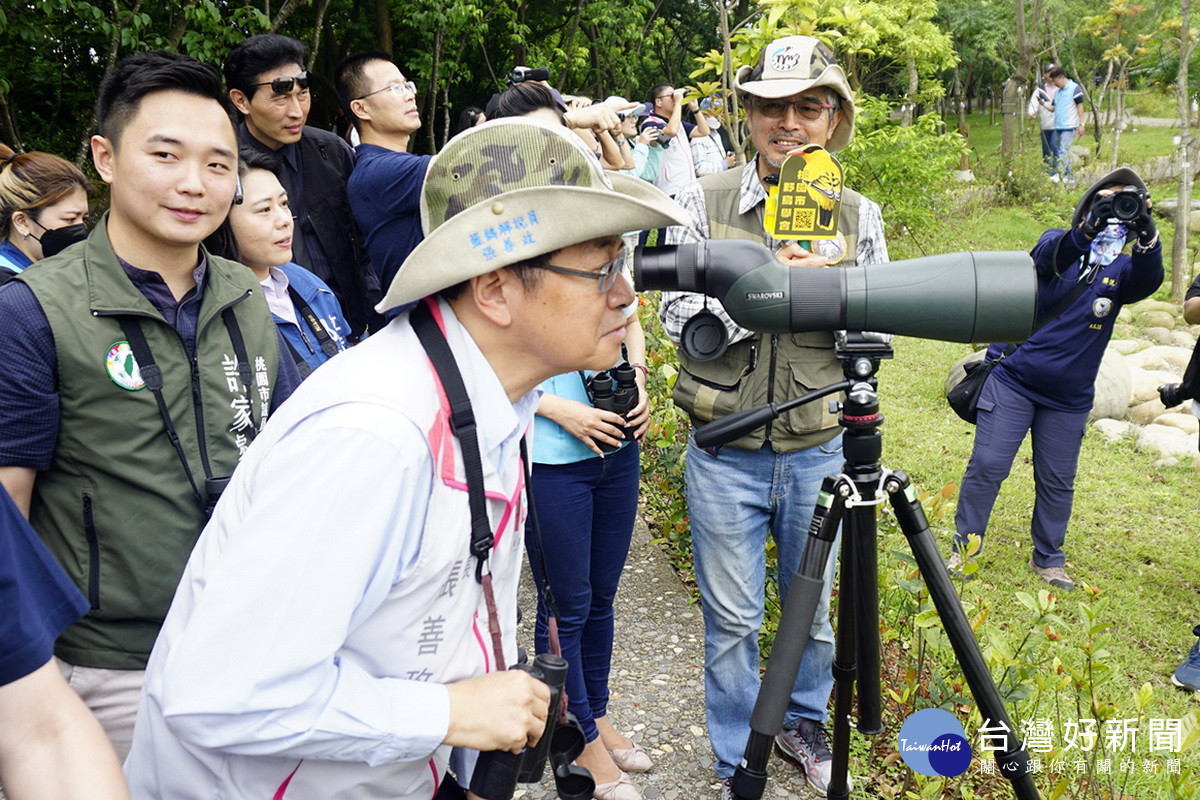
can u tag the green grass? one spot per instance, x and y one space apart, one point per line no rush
1138 145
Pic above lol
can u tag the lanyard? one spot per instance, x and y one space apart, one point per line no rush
462 423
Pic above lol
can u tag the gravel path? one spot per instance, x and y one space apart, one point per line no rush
657 684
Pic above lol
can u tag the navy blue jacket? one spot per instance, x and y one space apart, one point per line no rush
1057 367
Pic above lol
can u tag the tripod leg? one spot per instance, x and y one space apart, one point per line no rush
1013 761
750 777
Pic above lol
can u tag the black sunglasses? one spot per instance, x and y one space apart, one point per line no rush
285 84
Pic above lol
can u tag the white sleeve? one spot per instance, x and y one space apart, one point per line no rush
330 521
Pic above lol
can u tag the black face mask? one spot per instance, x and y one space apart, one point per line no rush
55 240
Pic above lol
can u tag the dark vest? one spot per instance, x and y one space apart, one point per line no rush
764 368
327 166
116 507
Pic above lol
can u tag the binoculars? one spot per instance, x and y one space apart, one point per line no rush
614 390
498 772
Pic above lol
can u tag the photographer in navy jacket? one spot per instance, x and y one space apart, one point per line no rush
1047 385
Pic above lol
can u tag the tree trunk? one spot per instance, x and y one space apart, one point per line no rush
569 48
8 126
1026 58
181 24
316 40
1188 153
433 88
731 118
383 26
447 115
910 100
1119 106
285 11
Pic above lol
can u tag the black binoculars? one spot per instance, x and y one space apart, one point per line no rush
213 489
498 772
614 390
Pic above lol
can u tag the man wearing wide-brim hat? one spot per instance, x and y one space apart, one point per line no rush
767 481
347 616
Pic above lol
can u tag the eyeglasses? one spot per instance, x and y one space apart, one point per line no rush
806 107
285 84
605 277
397 88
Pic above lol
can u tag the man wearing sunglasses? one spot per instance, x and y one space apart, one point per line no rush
268 84
385 186
768 480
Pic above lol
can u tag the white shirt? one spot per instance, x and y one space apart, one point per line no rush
263 658
275 287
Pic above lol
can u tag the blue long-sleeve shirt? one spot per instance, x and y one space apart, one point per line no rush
1057 366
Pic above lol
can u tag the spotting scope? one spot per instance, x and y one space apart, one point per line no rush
956 297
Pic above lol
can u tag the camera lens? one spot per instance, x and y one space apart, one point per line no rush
1126 205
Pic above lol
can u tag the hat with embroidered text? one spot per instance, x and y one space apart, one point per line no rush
511 189
792 64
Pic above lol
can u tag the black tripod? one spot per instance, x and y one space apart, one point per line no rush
853 496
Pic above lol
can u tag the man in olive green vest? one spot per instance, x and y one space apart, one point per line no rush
767 481
137 371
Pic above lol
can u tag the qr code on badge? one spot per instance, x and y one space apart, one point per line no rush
803 219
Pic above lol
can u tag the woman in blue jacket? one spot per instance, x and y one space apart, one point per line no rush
43 205
258 233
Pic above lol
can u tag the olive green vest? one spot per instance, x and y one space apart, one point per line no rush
116 507
765 368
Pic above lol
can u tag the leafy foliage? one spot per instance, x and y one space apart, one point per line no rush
907 170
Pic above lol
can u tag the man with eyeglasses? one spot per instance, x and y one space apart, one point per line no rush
270 87
340 643
678 167
767 481
385 186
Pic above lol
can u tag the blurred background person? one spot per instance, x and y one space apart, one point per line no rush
43 207
643 146
469 118
258 233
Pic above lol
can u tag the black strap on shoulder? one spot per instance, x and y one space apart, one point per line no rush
301 365
239 347
152 376
328 345
462 422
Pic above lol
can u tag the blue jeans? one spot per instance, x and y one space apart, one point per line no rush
1048 153
1004 417
586 511
735 499
1062 151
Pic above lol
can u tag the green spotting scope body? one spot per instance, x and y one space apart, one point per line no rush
956 297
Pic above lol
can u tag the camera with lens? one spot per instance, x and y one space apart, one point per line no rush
522 74
498 772
1128 204
213 489
614 390
663 140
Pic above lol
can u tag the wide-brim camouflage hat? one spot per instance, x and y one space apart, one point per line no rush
512 189
792 64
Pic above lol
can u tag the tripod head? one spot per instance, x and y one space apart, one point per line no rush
860 354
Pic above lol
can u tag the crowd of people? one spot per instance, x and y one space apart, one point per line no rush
269 422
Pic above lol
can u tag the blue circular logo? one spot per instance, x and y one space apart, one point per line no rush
933 742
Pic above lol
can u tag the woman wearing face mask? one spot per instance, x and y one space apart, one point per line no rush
43 205
258 233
